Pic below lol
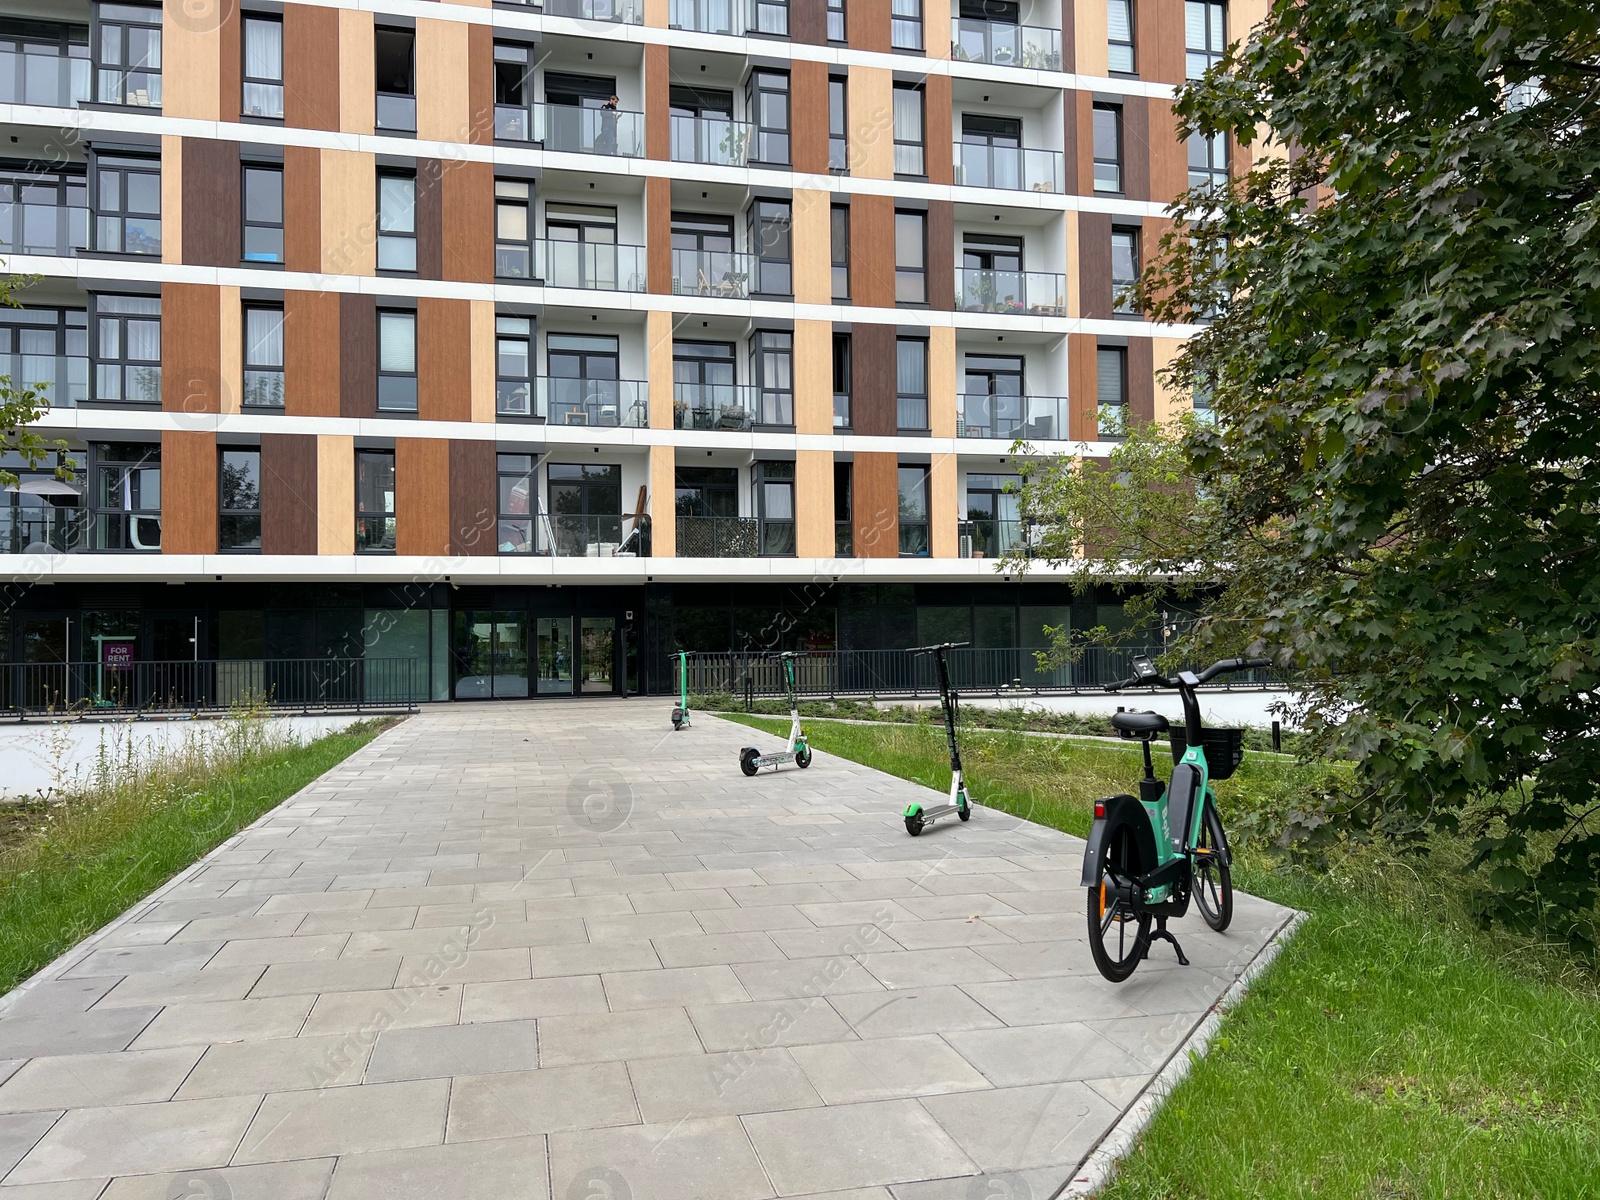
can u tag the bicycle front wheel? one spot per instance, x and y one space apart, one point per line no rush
1213 878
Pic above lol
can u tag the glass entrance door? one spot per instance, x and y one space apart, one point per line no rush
599 654
555 656
491 655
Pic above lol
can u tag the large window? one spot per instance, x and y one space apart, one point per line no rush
1119 37
1205 25
773 369
911 384
1124 267
47 349
127 349
127 205
513 366
910 257
375 523
513 229
774 504
1108 148
905 24
913 481
838 124
263 68
397 221
515 486
769 242
841 381
263 356
909 158
239 500
585 379
839 240
263 214
127 54
585 507
1111 390
767 100
1208 161
395 62
397 361
836 21
125 498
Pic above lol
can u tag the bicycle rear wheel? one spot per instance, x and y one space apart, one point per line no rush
1212 876
1119 934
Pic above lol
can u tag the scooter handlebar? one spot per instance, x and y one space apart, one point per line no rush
940 646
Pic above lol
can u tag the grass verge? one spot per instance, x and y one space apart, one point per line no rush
1390 1052
72 865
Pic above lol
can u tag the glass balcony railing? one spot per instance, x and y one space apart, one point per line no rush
38 73
769 18
729 406
43 226
572 130
715 141
718 537
724 273
990 537
607 402
35 527
593 535
1036 293
614 12
396 113
1005 45
591 266
62 379
844 540
1031 418
1011 168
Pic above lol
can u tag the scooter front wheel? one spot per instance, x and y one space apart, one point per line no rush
677 718
802 757
964 809
747 760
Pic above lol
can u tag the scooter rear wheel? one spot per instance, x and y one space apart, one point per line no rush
915 824
1119 934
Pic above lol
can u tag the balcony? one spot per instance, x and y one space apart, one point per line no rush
611 12
769 18
1034 293
590 535
608 403
572 130
34 221
725 274
396 113
38 73
1002 44
729 406
718 537
590 266
715 141
1031 418
990 537
62 379
1009 168
38 525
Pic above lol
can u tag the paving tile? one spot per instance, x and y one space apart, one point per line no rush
612 1037
805 977
1043 1054
520 999
710 948
72 1189
511 1167
97 1080
137 1139
247 952
673 986
706 1085
454 1050
893 1013
587 959
20 1132
225 1021
55 996
919 968
1051 1000
208 929
184 987
687 1160
72 1033
365 974
523 1103
278 1065
397 1008
1009 1129
301 1180
346 1120
135 960
886 1069
762 1023
762 919
888 1142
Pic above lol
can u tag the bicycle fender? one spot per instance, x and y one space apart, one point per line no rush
1120 810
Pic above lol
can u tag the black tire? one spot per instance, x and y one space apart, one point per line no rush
915 824
1212 881
677 719
802 758
965 809
747 760
1119 958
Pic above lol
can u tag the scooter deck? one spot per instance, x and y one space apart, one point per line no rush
769 760
940 810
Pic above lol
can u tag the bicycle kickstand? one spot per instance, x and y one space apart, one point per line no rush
1161 934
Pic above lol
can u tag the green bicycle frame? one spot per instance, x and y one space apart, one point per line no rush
1172 844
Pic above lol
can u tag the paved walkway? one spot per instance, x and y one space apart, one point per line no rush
554 950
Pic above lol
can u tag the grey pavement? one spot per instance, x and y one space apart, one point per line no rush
552 950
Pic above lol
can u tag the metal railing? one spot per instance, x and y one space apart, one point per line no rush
1035 293
1011 168
716 141
1003 44
718 537
42 75
719 273
1032 418
595 266
614 12
303 684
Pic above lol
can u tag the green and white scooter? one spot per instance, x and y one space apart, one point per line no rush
680 714
752 760
917 817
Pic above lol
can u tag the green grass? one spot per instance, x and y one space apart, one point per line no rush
136 823
1390 1052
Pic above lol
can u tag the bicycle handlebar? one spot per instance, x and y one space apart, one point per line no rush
939 646
1221 667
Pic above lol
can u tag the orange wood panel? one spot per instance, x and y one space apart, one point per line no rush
191 348
1082 170
230 72
1141 380
1169 157
302 208
1081 387
867 25
444 359
808 84
311 354
658 234
188 492
422 496
467 194
872 251
657 114
310 66
875 505
1158 38
938 130
480 84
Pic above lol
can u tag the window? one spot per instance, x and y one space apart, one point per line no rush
263 214
705 394
1208 161
515 488
836 22
839 240
771 17
843 534
767 98
774 505
43 211
705 492
47 349
841 381
125 498
263 356
584 379
913 482
375 524
127 205
908 153
1107 148
910 257
1204 26
127 349
397 361
769 241
1111 390
580 248
395 58
127 60
513 366
397 222
1124 267
911 384
1119 36
513 229
263 68
773 370
585 507
905 24
838 127
239 504
513 91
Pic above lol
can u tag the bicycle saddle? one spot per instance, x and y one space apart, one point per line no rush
1135 724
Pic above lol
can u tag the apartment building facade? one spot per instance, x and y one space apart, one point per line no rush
524 343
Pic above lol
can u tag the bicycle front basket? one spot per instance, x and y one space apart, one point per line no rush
1224 749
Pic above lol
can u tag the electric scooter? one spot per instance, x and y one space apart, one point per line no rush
752 760
680 714
917 817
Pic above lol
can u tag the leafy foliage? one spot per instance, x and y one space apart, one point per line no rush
21 407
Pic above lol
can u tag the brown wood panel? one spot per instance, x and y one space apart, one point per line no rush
1082 396
1094 264
468 217
302 208
311 354
358 356
872 251
875 505
230 69
1136 148
808 116
430 219
188 492
867 25
480 84
938 130
288 493
422 496
1141 379
872 380
941 254
658 234
310 67
657 114
210 234
808 22
1158 40
473 502
1080 142
1169 157
444 359
191 348
1069 39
